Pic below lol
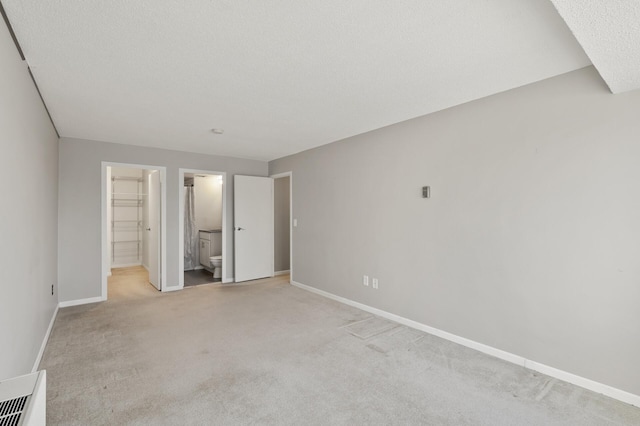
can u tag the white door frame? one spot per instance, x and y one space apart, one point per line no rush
152 202
163 221
225 231
277 176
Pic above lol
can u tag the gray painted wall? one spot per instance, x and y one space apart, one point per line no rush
281 223
29 188
530 242
80 210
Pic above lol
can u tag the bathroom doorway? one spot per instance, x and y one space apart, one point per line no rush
202 227
133 227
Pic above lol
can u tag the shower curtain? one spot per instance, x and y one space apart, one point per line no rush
190 231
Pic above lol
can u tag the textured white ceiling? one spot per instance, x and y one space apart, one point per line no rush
278 76
609 32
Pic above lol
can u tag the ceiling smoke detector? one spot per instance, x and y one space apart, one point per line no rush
218 131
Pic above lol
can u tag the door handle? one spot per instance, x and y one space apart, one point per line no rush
148 229
240 229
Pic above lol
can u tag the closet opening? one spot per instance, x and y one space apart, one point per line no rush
133 230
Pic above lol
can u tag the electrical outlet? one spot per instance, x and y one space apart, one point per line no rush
365 280
375 283
52 289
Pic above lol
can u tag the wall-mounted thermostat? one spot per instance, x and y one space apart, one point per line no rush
426 192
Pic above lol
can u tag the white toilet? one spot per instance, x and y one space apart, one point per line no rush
216 263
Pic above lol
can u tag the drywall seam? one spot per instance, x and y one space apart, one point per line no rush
583 382
36 364
81 301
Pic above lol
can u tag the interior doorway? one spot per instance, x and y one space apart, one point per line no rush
283 221
133 225
202 228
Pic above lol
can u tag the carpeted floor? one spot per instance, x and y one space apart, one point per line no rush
266 352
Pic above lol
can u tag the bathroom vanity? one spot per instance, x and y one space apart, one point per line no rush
210 245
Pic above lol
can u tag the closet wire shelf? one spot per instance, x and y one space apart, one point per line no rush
126 234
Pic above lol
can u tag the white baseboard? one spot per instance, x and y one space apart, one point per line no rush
285 272
36 364
228 280
583 382
81 301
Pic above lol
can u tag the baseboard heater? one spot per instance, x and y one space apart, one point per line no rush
23 400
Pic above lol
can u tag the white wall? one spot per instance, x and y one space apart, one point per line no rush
29 188
208 202
80 208
530 242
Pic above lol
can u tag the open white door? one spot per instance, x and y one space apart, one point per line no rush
253 227
153 228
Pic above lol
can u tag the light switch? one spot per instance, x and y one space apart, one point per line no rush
295 223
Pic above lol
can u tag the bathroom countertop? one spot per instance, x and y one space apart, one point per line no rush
211 231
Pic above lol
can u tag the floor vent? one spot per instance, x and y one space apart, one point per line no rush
11 419
11 407
23 400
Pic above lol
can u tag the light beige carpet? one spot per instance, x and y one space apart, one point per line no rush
269 353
